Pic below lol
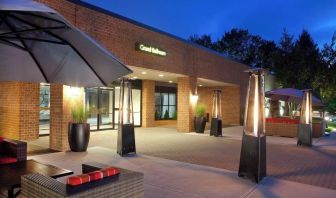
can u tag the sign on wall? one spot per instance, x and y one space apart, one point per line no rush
150 49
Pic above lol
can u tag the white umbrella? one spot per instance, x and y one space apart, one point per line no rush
37 44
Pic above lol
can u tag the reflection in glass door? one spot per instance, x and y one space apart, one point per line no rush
91 103
106 101
136 95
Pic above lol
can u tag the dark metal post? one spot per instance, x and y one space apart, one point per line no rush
253 150
126 137
216 120
304 133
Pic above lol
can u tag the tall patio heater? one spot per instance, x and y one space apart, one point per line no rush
304 133
216 121
126 137
253 150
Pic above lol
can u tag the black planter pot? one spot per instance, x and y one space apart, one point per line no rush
200 124
78 136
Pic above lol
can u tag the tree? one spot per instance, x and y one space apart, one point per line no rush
326 81
204 40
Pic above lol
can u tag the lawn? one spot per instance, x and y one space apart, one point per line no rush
331 126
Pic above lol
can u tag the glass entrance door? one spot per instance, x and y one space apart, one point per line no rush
106 101
99 103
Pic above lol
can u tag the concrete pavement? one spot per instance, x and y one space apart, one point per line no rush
167 178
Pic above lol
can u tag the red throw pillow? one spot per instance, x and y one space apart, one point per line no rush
78 180
1 139
110 171
7 160
95 175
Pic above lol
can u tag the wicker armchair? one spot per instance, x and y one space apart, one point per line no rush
12 151
126 184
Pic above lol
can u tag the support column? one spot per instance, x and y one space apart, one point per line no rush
148 103
62 100
19 110
186 86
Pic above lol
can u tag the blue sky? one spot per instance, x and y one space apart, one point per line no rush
267 18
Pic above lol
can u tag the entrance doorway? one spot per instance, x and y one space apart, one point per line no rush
99 103
102 104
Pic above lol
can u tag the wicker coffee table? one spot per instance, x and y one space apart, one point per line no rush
11 173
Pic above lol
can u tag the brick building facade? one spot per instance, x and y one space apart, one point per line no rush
187 67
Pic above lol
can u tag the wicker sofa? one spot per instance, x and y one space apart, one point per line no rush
12 151
126 184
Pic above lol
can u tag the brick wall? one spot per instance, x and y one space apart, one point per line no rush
185 109
120 36
148 103
19 110
230 102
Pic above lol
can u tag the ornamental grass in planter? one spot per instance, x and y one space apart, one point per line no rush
79 130
200 119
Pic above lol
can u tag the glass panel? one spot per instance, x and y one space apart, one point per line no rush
157 99
165 99
44 121
91 103
254 112
136 94
172 112
106 109
116 97
165 112
158 112
172 99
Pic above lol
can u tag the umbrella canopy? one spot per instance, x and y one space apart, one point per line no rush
37 44
290 95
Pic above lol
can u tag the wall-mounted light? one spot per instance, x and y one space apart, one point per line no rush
193 98
305 125
161 75
126 138
74 91
253 151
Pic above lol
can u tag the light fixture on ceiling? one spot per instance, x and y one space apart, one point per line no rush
143 72
161 75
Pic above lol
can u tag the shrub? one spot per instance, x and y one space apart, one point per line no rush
200 110
79 114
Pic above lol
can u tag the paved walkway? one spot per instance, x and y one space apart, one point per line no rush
285 161
167 178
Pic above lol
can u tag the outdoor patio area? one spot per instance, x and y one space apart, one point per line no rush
202 166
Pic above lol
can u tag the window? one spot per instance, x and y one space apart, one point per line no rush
44 109
165 106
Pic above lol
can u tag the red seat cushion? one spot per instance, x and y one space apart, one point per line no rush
78 179
92 176
110 171
7 160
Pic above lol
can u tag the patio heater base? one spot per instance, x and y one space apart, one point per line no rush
216 127
304 135
253 158
126 139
